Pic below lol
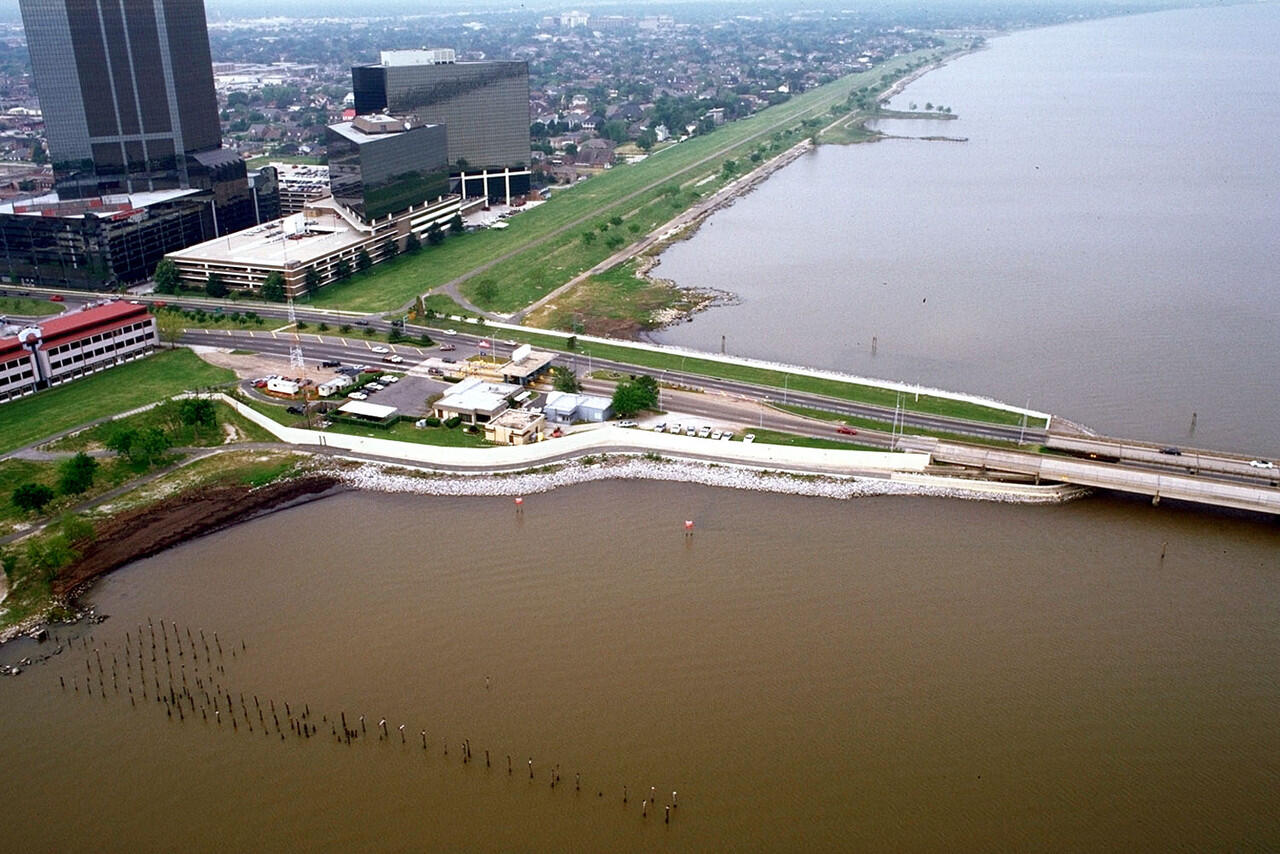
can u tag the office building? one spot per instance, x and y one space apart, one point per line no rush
484 107
381 165
131 121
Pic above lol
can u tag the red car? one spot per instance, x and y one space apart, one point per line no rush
57 298
848 431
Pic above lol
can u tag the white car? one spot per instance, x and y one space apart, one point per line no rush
357 395
674 428
374 386
716 434
726 437
705 432
691 430
749 438
451 332
388 378
626 422
1262 464
660 428
380 349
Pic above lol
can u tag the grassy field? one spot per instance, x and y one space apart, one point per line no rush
164 417
156 377
644 194
26 307
404 431
775 437
616 303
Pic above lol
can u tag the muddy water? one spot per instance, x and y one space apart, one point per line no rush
905 674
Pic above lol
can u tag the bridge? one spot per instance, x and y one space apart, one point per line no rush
1199 477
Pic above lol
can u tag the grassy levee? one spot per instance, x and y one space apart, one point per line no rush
771 377
541 238
27 307
118 389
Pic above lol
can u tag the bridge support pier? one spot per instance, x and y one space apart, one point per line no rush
1155 500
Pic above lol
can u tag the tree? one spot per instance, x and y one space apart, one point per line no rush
588 237
343 270
273 287
647 140
198 412
215 287
166 276
564 379
76 474
435 234
32 496
311 280
412 243
363 261
141 447
395 336
456 225
636 394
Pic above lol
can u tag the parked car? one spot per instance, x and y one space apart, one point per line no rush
705 432
691 430
380 349
357 395
294 410
1262 464
388 378
726 437
627 422
749 438
330 363
1173 452
846 430
447 347
674 428
715 435
659 428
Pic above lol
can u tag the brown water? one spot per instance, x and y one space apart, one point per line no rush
896 673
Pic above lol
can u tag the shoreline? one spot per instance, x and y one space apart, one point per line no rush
185 516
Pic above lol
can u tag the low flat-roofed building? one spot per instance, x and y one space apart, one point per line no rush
301 184
475 401
516 427
565 408
526 365
372 413
321 238
74 345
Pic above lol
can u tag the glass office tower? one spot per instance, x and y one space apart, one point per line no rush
126 88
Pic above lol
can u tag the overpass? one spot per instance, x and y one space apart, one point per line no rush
1200 477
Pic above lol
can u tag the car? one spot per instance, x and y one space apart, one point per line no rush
362 323
57 298
726 437
846 430
159 303
330 363
1262 464
674 428
749 438
370 369
294 410
627 422
691 430
394 359
259 383
715 435
1171 451
447 347
705 432
449 361
380 349
374 386
357 395
451 332
388 378
660 428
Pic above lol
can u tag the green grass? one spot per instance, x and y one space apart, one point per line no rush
404 431
882 426
638 193
777 379
25 307
115 390
182 435
775 437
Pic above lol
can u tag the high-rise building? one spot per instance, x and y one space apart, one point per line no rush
131 121
380 165
126 88
484 107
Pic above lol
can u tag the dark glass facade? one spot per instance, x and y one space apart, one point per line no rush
99 251
484 106
379 174
126 88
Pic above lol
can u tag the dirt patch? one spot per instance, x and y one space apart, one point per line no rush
252 366
149 530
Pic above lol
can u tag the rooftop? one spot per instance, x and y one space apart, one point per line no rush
121 205
297 240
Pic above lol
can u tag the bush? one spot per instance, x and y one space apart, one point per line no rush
32 496
453 422
431 421
76 474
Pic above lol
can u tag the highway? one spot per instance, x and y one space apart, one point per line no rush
327 346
